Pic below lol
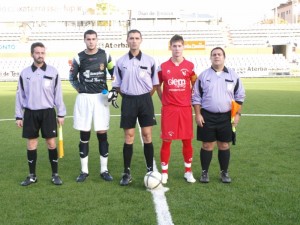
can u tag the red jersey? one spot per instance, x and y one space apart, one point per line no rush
176 82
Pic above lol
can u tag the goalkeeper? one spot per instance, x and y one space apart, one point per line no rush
88 76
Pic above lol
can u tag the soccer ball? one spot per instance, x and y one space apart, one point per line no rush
152 180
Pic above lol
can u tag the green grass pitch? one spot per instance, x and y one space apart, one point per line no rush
264 168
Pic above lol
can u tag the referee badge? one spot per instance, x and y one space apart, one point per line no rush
101 66
230 87
143 73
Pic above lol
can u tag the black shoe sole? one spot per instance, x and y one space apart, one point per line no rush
125 184
106 178
80 181
24 185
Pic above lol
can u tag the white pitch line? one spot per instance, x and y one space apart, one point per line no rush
271 115
163 214
262 115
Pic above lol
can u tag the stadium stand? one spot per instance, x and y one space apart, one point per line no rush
6 36
264 34
246 65
212 34
258 36
72 35
57 35
10 68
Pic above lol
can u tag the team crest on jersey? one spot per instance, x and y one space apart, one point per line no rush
170 133
168 71
101 66
184 71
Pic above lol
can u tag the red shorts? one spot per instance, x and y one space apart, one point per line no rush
176 122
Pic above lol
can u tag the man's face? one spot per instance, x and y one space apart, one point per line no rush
91 41
134 41
217 58
177 49
38 55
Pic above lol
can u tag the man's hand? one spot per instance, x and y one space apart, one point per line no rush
19 123
112 97
199 120
60 121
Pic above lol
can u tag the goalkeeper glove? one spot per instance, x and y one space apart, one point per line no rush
112 97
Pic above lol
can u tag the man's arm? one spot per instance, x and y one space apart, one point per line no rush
20 96
196 102
193 79
159 91
198 117
154 89
110 66
73 78
58 99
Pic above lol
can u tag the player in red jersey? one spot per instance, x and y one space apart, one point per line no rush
177 77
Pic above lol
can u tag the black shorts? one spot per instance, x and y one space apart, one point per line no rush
36 120
137 107
217 127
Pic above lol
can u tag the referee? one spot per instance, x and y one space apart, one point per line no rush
136 80
213 93
39 92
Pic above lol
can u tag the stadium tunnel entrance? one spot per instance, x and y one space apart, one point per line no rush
287 50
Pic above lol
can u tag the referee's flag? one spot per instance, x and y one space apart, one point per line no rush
61 152
235 107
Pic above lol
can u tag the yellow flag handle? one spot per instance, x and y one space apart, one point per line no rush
61 151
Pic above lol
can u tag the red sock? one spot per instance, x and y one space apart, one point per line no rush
164 171
187 152
165 152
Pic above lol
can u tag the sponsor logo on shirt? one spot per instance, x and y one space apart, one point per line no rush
178 83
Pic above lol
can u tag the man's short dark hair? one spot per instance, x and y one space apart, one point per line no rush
134 31
36 44
216 49
89 32
176 38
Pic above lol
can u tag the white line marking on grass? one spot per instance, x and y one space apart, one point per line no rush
262 115
163 214
271 115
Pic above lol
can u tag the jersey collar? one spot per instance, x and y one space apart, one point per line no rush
139 56
34 68
224 69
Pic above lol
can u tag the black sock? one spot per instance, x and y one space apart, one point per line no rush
53 160
149 153
127 155
205 159
224 157
32 157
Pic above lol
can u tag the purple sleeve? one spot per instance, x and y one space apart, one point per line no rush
20 95
196 98
58 99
